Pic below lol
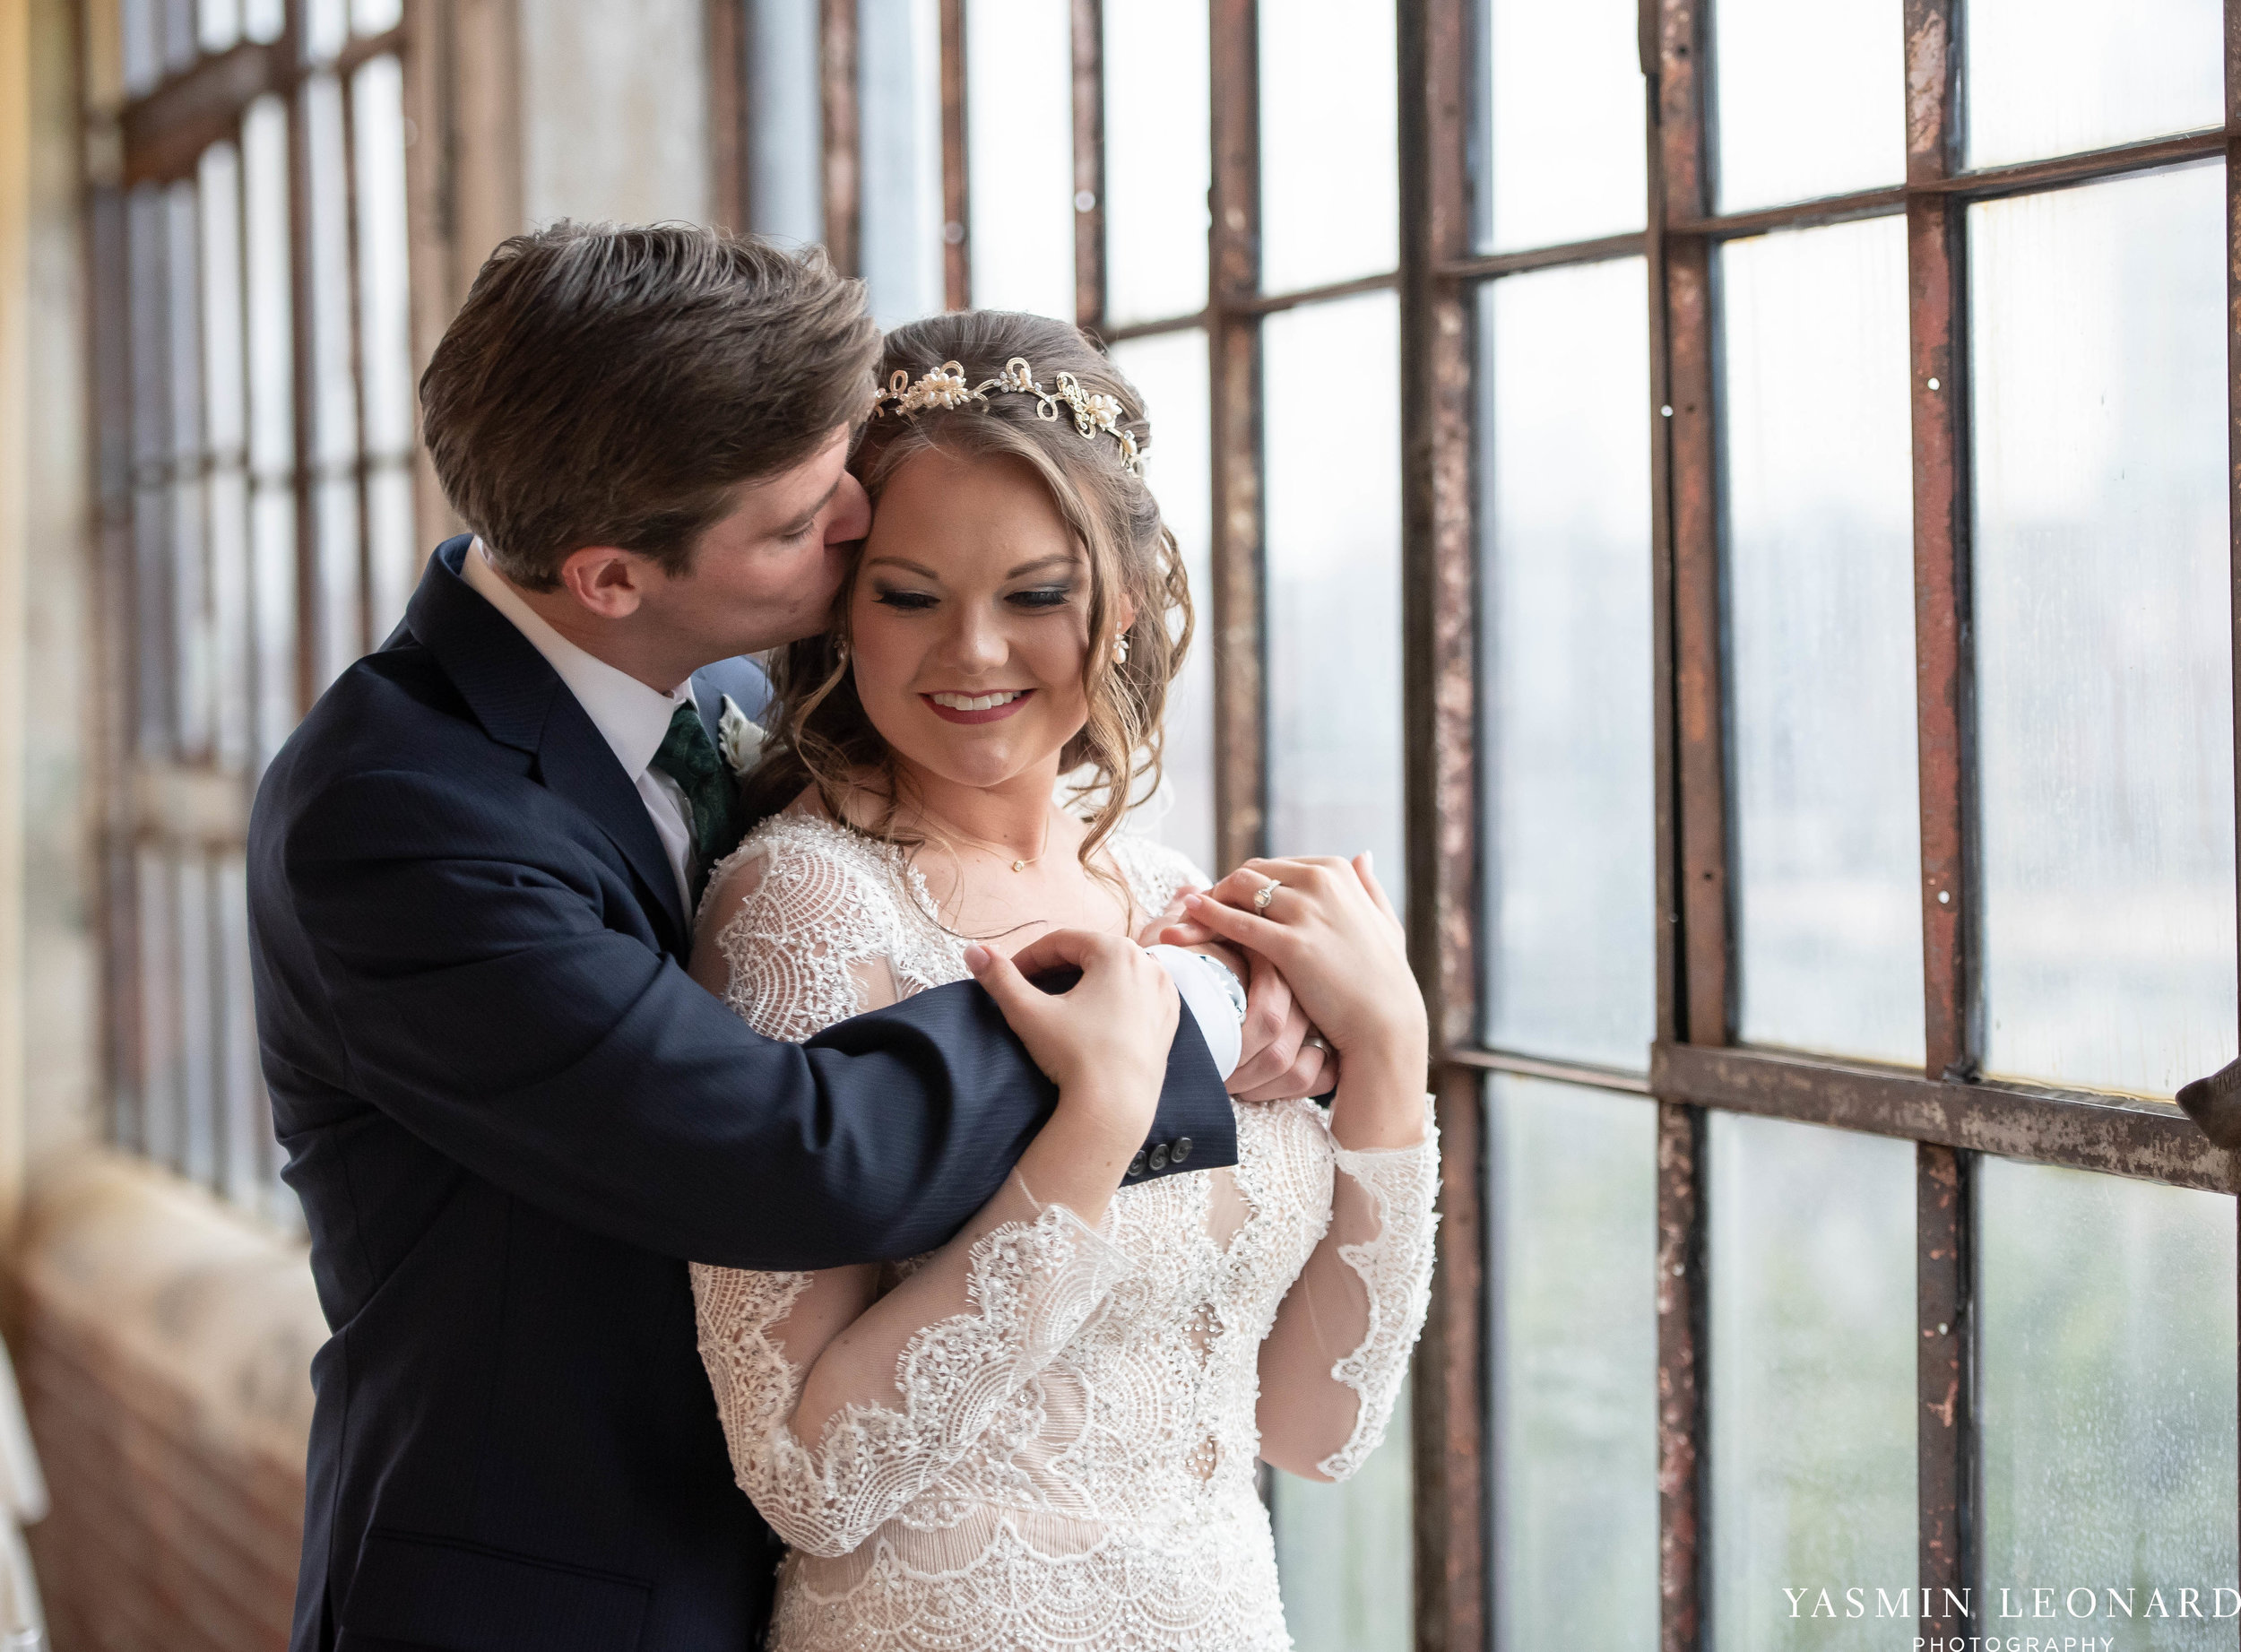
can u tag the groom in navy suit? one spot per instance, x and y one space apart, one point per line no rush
511 1116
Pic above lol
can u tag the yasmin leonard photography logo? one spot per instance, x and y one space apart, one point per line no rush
2019 1620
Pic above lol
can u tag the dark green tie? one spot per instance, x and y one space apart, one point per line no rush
688 757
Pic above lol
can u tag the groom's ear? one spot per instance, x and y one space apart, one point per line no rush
606 580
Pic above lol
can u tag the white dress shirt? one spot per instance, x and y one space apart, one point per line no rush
634 720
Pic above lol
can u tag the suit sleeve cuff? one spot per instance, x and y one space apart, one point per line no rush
1214 1004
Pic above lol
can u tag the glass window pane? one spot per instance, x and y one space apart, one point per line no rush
1811 1248
1171 371
189 572
160 1135
1811 98
614 110
2107 1409
246 1121
1329 156
1158 162
1572 1230
217 24
326 27
375 16
1019 144
198 1021
1333 582
898 72
2051 77
1564 114
384 343
266 277
2104 634
1571 860
1342 1555
139 31
785 158
263 19
1821 638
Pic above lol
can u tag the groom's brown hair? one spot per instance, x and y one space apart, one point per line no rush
613 385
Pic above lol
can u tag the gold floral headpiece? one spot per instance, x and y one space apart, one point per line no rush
945 387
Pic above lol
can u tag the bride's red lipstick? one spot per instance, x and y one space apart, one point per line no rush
994 714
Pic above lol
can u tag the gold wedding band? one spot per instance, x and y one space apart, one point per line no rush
1268 893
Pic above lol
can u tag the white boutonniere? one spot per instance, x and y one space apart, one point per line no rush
738 736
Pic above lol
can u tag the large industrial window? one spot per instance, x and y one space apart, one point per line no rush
1760 574
255 447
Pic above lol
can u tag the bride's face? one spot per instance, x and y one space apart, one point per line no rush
970 619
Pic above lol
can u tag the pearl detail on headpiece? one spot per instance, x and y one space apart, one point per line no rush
946 389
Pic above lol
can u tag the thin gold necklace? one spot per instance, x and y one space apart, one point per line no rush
997 849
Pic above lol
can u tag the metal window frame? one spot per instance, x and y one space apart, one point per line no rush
1947 1109
461 99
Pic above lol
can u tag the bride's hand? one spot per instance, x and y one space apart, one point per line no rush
1329 927
1105 1040
1274 1060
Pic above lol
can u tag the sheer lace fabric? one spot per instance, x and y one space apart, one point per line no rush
1042 1435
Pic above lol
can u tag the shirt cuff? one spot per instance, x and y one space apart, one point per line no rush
1217 1005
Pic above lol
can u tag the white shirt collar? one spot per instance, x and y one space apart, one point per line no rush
633 718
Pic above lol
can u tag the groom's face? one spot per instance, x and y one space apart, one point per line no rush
766 573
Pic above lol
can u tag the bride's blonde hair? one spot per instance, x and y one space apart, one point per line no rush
822 737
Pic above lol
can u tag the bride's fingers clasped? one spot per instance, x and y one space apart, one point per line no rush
1327 925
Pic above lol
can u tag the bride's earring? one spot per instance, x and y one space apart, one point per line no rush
1120 650
839 650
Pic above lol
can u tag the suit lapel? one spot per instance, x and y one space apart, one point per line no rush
521 702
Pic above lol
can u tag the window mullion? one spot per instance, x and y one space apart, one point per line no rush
1235 338
844 130
1945 1473
1089 163
1440 680
1693 941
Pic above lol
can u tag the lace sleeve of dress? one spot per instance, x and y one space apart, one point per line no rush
804 935
1333 1366
922 1375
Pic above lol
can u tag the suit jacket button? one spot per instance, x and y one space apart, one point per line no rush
1136 1165
1159 1156
1181 1152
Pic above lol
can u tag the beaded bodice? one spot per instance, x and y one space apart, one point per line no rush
1065 1457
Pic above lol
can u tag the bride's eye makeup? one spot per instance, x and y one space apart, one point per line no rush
902 600
1042 597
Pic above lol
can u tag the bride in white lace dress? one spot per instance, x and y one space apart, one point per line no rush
1044 1434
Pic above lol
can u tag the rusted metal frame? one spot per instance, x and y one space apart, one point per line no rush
1795 215
2233 386
1693 933
1945 1174
2122 1136
166 130
1484 1060
1602 247
1440 682
1991 183
723 30
839 99
956 190
1269 303
1681 1456
1152 329
1089 164
1233 340
1448 1411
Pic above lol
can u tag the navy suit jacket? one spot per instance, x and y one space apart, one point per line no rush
512 1118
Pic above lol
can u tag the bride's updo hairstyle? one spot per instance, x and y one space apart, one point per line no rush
822 736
